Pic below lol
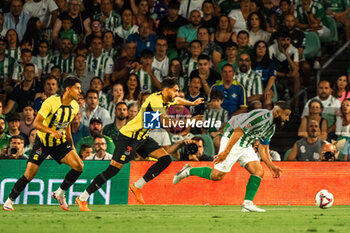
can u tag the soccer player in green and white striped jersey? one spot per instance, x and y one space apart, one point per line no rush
109 18
236 145
65 60
6 63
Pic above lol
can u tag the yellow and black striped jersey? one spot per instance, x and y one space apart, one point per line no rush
57 117
134 128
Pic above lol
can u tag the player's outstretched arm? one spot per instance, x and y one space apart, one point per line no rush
236 135
185 102
38 124
265 156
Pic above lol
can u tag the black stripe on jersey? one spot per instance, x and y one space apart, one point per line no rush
146 131
137 133
50 126
63 113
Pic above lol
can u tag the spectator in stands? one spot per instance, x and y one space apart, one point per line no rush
274 155
96 84
186 155
42 58
243 43
188 6
235 99
339 10
341 88
249 78
78 130
231 57
142 97
4 138
278 17
31 139
315 107
82 73
188 32
99 63
85 151
209 21
180 113
223 35
215 112
108 17
67 31
5 71
15 149
24 93
13 120
56 72
116 96
310 16
239 17
261 63
126 28
3 29
330 103
176 71
34 33
209 48
13 49
257 28
95 128
146 75
65 59
100 147
131 89
81 21
160 64
50 88
144 38
96 31
93 110
190 64
17 19
342 125
133 109
121 114
194 93
286 59
45 10
26 58
26 124
142 14
309 148
169 26
108 45
207 75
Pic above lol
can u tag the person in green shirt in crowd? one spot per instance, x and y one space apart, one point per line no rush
340 11
231 57
95 128
67 31
4 138
243 43
121 114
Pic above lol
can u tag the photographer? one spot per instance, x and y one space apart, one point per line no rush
15 150
192 150
329 152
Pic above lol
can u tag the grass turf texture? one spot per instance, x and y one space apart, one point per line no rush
183 219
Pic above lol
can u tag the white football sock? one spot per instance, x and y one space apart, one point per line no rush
60 192
140 183
9 201
84 196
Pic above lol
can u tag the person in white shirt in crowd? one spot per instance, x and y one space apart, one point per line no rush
187 6
3 29
257 27
17 19
45 10
100 147
160 64
92 109
238 17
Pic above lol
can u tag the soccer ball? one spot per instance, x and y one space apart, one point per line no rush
324 199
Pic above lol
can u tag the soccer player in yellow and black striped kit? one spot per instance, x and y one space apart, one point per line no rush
53 138
134 138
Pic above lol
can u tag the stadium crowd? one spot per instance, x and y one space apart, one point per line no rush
237 55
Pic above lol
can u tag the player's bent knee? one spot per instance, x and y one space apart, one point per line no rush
259 172
79 167
217 176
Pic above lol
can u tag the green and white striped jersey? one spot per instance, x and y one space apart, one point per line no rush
43 64
216 115
14 53
100 66
112 53
188 66
18 72
251 82
145 80
111 23
102 100
257 124
67 65
6 68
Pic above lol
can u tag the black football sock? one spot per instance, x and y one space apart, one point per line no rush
70 179
18 188
102 178
157 168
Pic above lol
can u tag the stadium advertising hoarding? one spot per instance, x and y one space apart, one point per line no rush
50 176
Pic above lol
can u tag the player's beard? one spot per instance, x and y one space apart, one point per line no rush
278 123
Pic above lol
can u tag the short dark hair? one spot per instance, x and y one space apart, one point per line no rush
66 16
96 77
147 53
70 81
43 41
203 57
283 33
29 65
197 139
84 147
96 37
228 65
216 95
283 105
242 32
13 117
17 137
48 78
287 1
98 136
196 41
207 1
26 51
56 67
91 91
169 83
174 4
120 103
202 27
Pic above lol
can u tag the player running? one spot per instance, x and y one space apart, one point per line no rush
53 138
134 138
236 145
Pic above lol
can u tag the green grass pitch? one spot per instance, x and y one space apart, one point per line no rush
179 219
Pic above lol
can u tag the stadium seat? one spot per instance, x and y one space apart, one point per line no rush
286 154
312 45
332 25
